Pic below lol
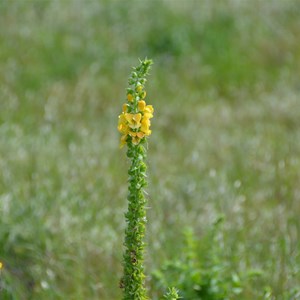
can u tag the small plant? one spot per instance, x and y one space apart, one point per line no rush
201 272
172 294
134 125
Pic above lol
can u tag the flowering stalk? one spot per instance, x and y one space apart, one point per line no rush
134 125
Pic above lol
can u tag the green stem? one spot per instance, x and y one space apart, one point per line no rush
134 278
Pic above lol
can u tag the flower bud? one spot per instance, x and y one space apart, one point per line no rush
139 88
129 97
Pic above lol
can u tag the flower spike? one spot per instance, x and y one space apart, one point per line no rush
135 112
134 125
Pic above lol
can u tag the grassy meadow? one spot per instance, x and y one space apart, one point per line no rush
225 141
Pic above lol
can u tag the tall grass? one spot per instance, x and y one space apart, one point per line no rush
226 141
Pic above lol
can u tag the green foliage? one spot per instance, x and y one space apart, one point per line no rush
172 294
202 272
226 93
6 287
293 294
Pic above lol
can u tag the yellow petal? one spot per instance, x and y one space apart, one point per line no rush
138 117
145 128
132 133
130 118
124 108
140 134
148 115
146 131
146 122
134 120
122 119
123 128
123 141
149 108
141 105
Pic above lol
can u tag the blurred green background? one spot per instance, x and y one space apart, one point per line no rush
226 139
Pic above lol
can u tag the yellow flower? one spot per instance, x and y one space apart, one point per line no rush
122 125
124 108
123 140
129 97
122 118
134 120
145 126
138 134
148 115
149 109
135 125
124 129
148 112
141 105
1 265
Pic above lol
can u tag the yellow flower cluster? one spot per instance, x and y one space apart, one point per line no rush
135 125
